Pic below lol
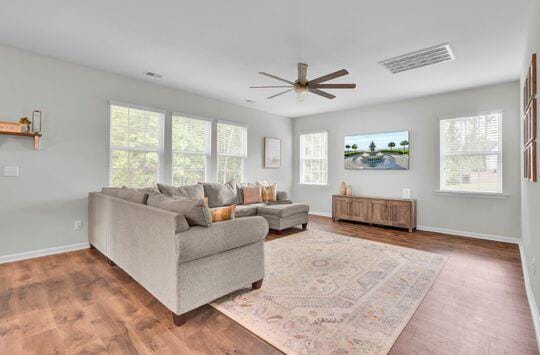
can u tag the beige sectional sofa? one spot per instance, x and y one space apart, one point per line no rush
184 266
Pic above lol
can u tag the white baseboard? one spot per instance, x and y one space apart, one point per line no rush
530 296
497 238
323 214
43 252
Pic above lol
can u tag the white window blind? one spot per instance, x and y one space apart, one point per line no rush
136 146
191 145
231 152
471 153
314 158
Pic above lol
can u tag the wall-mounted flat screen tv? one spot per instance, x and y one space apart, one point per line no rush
377 151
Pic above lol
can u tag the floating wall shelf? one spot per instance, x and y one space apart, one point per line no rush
36 136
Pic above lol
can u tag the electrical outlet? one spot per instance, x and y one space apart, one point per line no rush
77 225
11 171
533 265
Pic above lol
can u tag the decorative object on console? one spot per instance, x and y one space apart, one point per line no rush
375 210
16 129
348 190
530 112
272 153
342 188
378 151
25 124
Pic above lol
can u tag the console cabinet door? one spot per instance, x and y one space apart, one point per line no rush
400 213
341 207
359 210
378 211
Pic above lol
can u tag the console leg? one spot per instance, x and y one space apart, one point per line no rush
257 284
179 320
92 247
304 226
278 232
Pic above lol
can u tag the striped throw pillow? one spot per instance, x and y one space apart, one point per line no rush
268 192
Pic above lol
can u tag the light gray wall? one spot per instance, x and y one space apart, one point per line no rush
496 217
38 209
530 191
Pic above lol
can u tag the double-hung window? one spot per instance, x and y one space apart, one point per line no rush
136 146
471 153
314 158
231 152
191 149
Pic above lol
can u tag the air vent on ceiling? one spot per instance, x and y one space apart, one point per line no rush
154 75
418 59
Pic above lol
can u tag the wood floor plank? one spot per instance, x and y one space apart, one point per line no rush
76 303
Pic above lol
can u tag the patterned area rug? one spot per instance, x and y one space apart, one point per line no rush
325 293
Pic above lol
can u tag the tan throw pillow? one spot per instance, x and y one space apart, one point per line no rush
268 192
223 213
252 194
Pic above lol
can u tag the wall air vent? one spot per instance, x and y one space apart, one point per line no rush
418 59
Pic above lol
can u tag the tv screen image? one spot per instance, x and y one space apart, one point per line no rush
377 151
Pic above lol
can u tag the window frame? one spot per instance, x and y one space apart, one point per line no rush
301 159
209 138
161 148
474 193
243 157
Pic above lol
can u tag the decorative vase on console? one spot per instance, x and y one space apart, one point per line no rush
343 188
348 190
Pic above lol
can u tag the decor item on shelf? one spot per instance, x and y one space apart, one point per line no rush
272 153
348 190
25 124
530 112
342 188
378 151
36 121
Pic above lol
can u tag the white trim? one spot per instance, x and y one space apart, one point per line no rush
459 233
530 295
323 214
496 195
43 252
136 107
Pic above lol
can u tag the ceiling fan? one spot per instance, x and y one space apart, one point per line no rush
301 86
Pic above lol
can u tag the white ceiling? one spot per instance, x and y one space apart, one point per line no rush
215 48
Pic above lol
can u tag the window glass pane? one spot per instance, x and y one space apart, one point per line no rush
188 169
191 149
471 153
313 158
232 150
230 168
136 146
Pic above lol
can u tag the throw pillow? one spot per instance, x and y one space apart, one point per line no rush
126 193
252 194
220 194
195 210
268 192
221 214
188 191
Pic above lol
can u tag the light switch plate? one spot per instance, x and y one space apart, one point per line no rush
406 192
11 171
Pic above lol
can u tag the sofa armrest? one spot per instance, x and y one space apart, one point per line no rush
282 196
199 242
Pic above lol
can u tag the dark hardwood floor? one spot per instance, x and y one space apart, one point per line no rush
76 303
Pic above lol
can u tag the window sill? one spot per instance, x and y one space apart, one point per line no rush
500 196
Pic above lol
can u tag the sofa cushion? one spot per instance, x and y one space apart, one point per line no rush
252 194
195 210
283 210
188 191
220 214
268 191
220 194
245 211
127 194
199 242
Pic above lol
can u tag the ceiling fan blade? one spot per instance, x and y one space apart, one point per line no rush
327 77
276 77
333 86
281 93
322 93
302 72
271 86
